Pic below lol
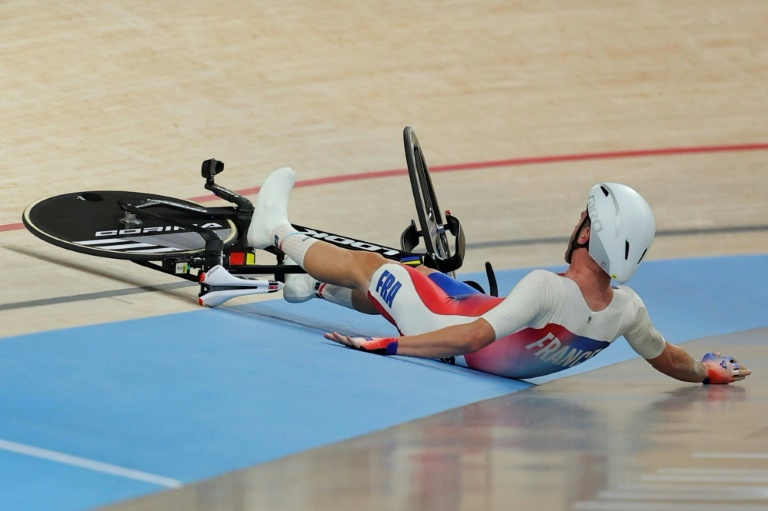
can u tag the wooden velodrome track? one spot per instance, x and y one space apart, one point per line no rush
532 101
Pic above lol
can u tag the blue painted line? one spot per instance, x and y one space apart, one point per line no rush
190 396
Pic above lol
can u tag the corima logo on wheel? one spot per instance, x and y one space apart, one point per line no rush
153 230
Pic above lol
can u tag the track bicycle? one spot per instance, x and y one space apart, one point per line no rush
190 241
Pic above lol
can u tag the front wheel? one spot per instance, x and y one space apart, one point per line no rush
431 220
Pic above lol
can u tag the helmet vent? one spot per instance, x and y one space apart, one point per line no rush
626 250
642 256
605 191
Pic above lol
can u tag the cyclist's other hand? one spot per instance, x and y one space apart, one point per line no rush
723 369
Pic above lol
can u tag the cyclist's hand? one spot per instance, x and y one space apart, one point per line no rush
723 369
377 345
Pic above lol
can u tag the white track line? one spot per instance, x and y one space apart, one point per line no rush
706 475
611 505
96 466
732 455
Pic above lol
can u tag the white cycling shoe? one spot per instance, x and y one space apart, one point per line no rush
299 288
271 209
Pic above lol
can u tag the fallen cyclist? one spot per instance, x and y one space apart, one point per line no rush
547 323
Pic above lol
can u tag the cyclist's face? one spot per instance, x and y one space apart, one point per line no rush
578 227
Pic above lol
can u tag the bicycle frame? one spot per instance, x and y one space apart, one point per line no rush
152 232
236 257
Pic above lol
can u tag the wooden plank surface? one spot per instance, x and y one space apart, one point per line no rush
134 95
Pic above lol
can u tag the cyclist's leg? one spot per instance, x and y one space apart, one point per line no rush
301 287
323 261
416 304
367 274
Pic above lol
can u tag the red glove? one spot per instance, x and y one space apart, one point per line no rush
720 368
377 345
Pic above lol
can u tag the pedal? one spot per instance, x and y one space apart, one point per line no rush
217 286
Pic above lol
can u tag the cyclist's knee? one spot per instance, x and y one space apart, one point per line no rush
365 265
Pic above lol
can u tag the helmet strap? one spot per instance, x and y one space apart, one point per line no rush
574 244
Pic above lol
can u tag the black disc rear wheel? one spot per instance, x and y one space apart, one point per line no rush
94 223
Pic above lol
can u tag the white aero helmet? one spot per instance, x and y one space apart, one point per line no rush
622 229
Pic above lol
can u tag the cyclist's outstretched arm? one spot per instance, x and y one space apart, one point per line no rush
446 342
529 299
675 362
